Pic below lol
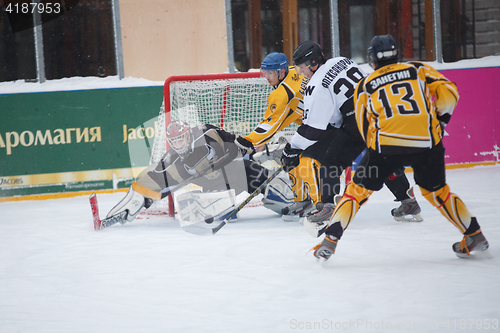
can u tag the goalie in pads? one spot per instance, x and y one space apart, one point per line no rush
203 155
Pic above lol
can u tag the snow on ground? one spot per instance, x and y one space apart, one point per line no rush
59 275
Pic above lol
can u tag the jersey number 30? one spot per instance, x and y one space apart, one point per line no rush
353 74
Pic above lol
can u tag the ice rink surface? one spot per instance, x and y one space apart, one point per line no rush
59 275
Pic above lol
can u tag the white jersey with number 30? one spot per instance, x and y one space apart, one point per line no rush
327 97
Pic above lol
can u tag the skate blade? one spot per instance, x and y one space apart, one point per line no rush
313 229
409 218
290 218
478 255
321 260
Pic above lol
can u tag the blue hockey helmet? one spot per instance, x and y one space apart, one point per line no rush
275 61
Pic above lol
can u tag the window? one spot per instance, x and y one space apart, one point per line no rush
314 23
17 47
79 41
470 29
407 21
265 26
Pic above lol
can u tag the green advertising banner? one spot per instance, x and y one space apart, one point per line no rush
74 140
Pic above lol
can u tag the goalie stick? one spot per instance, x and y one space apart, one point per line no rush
199 228
107 222
120 218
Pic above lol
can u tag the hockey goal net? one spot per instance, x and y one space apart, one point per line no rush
235 102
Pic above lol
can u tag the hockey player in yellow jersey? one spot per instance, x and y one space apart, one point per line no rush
284 108
401 110
284 103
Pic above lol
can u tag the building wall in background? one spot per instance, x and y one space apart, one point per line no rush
161 38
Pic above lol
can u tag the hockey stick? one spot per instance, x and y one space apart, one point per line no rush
107 222
120 218
199 228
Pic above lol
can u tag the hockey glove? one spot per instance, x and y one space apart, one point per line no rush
444 119
290 158
244 145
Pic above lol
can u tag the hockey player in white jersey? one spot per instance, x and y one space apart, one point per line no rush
328 140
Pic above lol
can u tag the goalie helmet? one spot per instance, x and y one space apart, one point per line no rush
383 51
179 137
308 53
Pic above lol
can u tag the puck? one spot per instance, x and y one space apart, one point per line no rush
209 219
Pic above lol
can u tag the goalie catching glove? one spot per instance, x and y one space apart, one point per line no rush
290 158
244 145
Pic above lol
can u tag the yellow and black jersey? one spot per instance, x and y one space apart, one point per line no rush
398 106
284 107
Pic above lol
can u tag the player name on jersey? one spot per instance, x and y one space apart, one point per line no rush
335 70
389 78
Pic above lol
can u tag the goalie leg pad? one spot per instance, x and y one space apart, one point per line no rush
195 206
131 204
278 194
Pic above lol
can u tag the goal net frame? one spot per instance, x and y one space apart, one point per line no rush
223 111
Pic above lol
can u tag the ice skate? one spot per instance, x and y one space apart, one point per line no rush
409 210
472 245
325 249
297 209
322 213
316 221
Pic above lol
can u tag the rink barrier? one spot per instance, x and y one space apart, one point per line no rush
61 195
81 193
69 133
69 141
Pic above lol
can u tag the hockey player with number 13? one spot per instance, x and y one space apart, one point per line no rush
401 110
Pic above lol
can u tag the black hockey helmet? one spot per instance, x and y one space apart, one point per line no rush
383 51
309 53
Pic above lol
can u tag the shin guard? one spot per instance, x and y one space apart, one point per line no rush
453 208
349 204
